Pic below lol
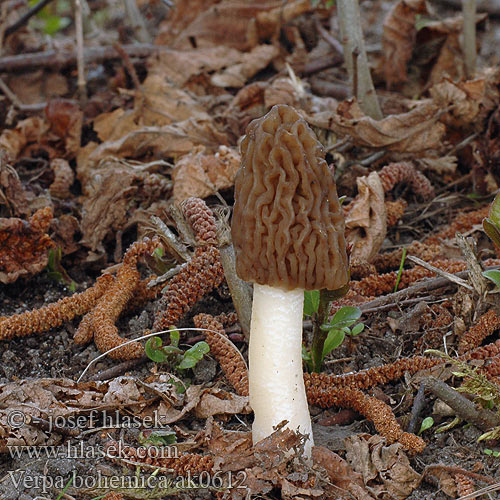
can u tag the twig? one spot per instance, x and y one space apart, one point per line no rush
119 369
26 17
80 62
418 405
137 22
469 13
128 65
476 272
17 103
483 419
353 42
332 41
406 293
452 277
56 59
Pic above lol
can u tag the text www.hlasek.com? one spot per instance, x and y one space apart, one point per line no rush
81 451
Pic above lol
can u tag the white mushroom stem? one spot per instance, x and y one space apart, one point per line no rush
276 380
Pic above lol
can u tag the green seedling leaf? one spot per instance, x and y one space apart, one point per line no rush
170 350
400 271
334 339
493 275
427 423
311 302
342 199
307 358
494 213
493 434
193 355
492 230
159 252
345 316
161 437
487 451
357 329
446 427
175 337
154 350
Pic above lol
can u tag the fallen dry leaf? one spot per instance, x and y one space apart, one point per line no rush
398 39
231 23
200 174
116 193
366 219
30 130
63 178
385 469
416 131
467 103
24 245
218 402
65 119
340 472
12 192
251 63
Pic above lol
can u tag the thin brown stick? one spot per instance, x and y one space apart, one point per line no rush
26 17
128 65
57 59
406 293
482 418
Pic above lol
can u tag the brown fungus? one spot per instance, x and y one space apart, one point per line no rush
288 227
288 235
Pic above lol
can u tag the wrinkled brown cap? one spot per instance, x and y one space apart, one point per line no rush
288 226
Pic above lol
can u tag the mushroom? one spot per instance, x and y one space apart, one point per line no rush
288 235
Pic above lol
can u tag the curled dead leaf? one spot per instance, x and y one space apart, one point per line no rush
385 468
366 219
200 174
398 39
416 131
251 62
65 119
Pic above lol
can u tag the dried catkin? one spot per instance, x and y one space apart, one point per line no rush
465 485
395 210
395 173
370 377
201 219
391 260
483 327
462 223
200 276
226 353
373 409
53 315
181 465
375 285
110 306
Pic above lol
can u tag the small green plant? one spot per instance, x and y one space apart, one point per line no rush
159 437
327 336
48 19
172 354
400 271
56 271
491 226
491 453
427 423
487 393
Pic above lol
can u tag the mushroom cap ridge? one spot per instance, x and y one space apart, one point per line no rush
288 226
